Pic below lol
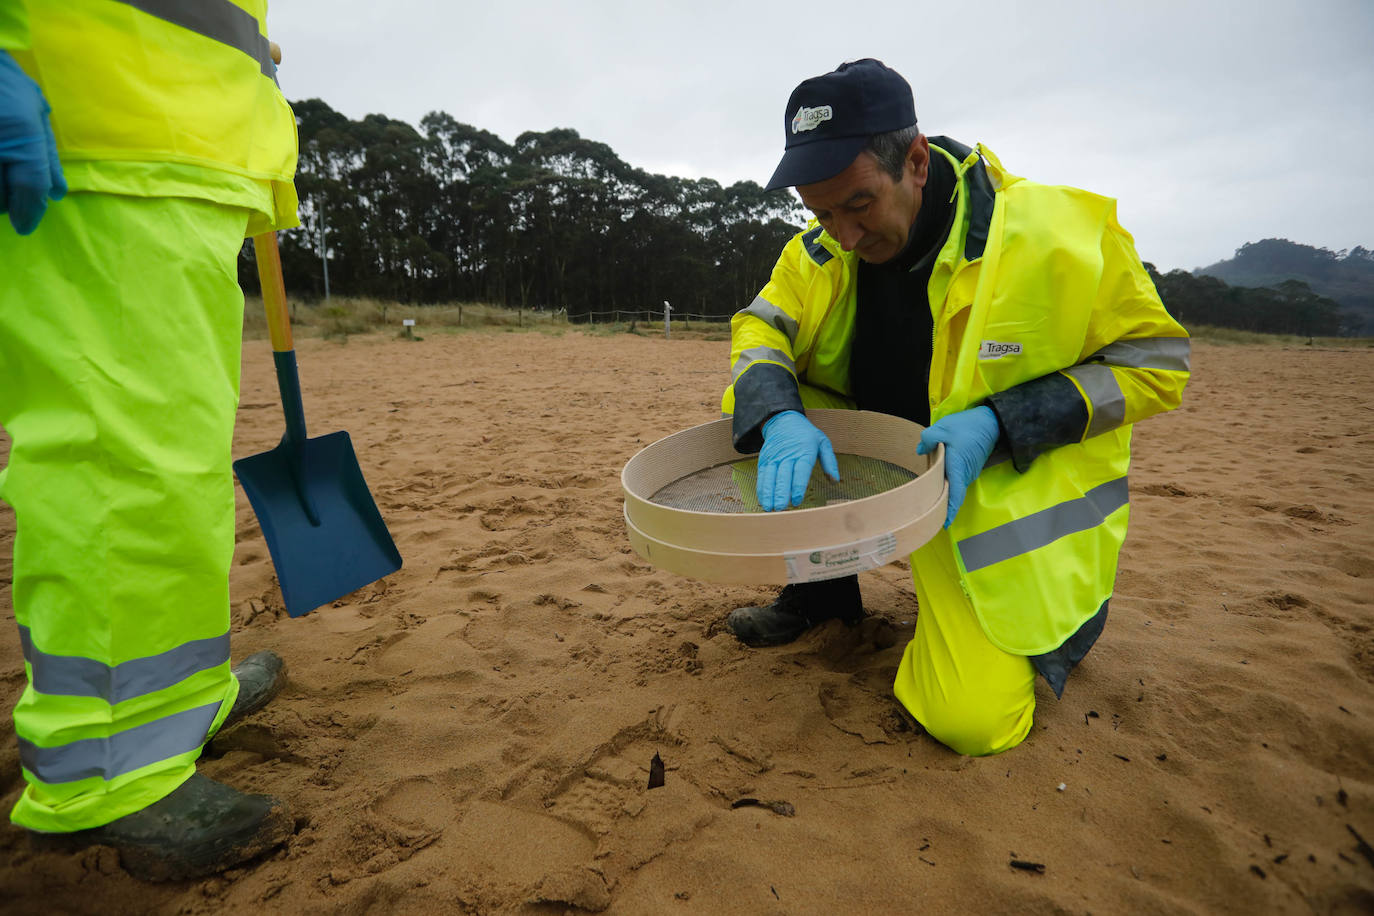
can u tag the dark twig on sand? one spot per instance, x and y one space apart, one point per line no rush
1362 847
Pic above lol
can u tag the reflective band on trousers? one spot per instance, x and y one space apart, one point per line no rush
1044 527
748 357
770 314
74 676
218 20
120 753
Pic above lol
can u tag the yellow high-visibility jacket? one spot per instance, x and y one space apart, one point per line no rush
1037 291
162 98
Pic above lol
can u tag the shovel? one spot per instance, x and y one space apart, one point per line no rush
321 524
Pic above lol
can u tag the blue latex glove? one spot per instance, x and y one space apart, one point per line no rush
969 437
790 446
29 170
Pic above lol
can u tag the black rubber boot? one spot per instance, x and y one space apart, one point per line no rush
261 676
797 609
201 828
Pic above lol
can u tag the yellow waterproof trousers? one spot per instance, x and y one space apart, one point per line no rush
120 329
967 694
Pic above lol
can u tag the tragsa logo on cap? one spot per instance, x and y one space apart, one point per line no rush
810 118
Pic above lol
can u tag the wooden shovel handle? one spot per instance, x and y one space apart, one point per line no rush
273 291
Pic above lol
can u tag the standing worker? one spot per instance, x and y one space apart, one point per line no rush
935 285
120 328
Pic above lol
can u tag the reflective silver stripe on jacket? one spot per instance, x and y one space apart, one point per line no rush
1103 393
218 20
1044 527
74 676
771 315
1099 385
120 753
748 357
1171 354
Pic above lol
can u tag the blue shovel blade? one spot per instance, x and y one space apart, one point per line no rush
349 548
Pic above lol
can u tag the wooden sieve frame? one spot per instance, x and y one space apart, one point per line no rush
797 545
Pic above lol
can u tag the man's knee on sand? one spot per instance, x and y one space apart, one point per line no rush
977 730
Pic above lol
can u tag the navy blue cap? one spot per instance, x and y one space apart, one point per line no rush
829 119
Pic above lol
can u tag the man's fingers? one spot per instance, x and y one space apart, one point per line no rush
930 437
27 180
25 205
782 485
801 476
956 499
763 487
828 462
58 190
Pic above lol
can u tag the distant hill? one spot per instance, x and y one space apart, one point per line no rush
1346 277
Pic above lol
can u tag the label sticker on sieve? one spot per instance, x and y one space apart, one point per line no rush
847 559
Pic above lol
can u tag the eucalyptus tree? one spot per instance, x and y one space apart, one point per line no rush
451 211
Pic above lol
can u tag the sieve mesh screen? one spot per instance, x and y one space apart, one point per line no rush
729 487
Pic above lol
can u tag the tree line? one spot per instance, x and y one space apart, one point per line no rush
453 213
1289 307
1345 276
450 213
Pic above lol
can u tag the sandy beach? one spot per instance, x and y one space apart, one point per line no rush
474 733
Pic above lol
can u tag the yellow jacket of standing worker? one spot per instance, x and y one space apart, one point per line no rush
1032 281
163 121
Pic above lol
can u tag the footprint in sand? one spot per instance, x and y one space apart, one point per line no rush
435 649
511 846
415 804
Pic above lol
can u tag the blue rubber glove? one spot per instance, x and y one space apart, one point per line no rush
969 437
790 446
29 170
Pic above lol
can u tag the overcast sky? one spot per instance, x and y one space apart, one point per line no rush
1213 122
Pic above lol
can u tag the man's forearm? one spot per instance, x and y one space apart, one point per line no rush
1039 415
763 390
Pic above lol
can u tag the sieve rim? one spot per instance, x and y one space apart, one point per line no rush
862 433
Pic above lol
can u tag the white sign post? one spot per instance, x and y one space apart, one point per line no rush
667 322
